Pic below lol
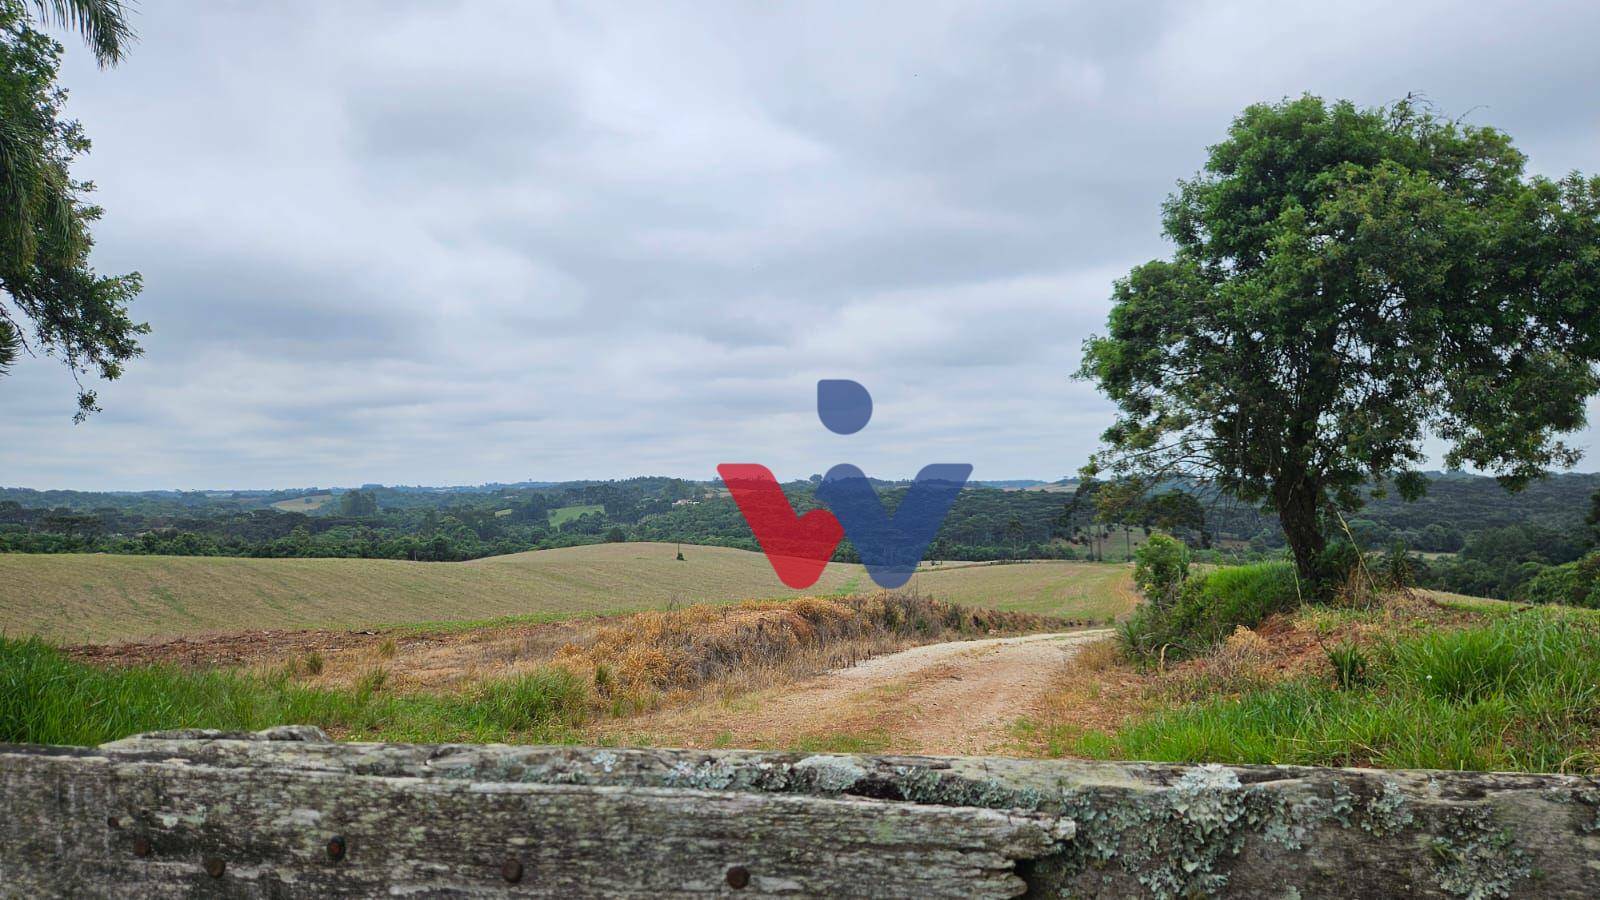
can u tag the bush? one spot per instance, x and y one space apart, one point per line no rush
1571 584
1160 566
1208 608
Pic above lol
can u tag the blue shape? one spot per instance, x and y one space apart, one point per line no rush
891 548
843 405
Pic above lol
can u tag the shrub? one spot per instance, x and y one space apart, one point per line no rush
1160 566
1208 608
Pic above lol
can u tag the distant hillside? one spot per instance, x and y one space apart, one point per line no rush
1022 518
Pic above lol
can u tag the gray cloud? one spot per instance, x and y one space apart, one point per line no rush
492 241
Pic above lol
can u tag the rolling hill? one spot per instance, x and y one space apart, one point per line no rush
80 598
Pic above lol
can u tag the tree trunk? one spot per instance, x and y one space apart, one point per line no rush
1298 513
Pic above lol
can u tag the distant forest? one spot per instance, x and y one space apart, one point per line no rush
1475 537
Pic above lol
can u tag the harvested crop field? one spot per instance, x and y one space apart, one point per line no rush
93 598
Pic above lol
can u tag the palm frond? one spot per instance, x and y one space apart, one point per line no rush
103 24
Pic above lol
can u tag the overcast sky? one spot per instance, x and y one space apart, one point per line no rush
449 243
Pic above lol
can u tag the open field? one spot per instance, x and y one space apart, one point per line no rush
83 598
568 513
303 504
1049 588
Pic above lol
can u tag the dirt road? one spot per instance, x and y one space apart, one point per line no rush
953 698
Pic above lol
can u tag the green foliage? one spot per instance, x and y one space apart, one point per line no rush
1347 282
1397 568
103 24
1542 525
51 299
46 698
1160 566
1517 694
1333 568
1208 608
358 504
1350 665
1571 584
1504 562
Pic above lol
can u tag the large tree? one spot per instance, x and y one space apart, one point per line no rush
52 302
1349 283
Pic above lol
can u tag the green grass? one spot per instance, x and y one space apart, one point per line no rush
1493 607
47 698
1515 693
1209 606
568 513
303 504
874 741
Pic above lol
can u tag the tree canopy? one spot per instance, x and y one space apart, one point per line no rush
1347 284
52 302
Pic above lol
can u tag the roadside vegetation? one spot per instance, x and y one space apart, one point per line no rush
622 666
1230 666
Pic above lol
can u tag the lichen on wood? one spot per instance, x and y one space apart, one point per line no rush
254 815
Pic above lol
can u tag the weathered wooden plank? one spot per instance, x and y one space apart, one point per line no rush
441 819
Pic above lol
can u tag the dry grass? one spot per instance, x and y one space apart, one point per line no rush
632 662
83 598
641 661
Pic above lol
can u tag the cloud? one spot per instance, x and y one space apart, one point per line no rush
417 243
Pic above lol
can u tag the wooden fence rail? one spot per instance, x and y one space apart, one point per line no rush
288 813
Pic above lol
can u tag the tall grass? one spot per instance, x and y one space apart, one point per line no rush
47 698
1207 608
1518 693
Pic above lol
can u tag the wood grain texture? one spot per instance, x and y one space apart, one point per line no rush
252 816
